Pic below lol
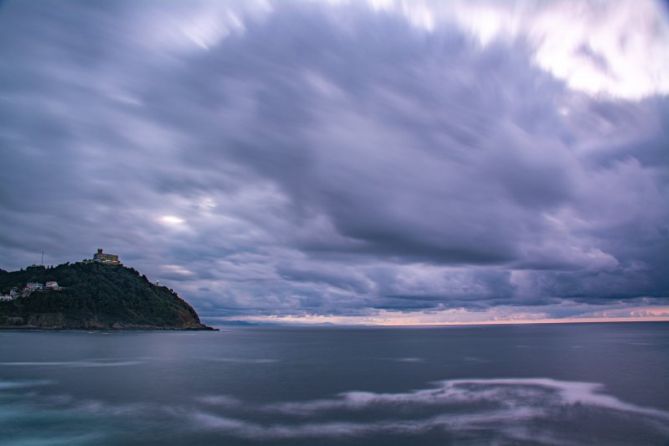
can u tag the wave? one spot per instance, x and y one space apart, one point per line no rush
503 410
251 430
407 359
23 384
450 392
85 363
502 406
243 360
571 393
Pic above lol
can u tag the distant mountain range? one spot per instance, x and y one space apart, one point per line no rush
90 295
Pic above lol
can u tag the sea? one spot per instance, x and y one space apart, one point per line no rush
567 384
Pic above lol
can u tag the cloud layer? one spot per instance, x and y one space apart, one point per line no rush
344 158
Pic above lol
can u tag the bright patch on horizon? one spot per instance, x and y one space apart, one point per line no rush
460 316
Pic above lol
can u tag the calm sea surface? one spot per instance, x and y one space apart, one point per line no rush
541 384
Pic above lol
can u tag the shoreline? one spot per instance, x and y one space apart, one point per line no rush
110 329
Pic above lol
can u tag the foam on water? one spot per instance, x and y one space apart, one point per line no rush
460 405
503 405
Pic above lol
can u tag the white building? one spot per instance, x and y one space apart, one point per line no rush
34 286
52 285
30 288
13 294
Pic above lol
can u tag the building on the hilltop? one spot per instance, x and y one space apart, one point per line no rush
51 285
108 259
5 297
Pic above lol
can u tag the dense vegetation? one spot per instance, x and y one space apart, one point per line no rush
94 296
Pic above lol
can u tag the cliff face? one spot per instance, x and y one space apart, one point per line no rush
93 296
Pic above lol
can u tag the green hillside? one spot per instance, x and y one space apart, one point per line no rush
93 296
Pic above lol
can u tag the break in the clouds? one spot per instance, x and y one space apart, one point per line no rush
338 160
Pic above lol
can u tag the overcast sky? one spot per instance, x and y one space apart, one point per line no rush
346 161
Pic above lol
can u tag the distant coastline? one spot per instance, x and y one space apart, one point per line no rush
296 324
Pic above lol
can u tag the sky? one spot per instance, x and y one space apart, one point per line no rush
346 162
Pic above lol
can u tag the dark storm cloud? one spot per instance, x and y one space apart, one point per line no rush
298 157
